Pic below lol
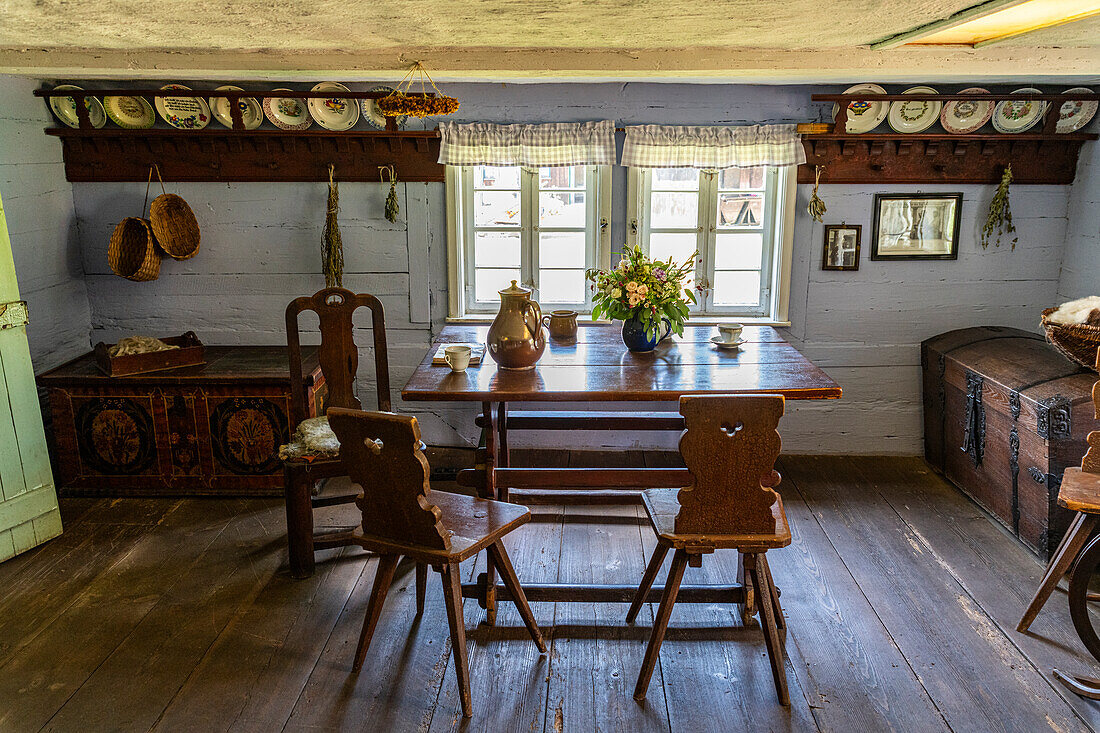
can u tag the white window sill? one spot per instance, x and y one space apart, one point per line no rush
583 320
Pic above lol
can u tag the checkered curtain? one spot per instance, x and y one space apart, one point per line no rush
680 146
556 143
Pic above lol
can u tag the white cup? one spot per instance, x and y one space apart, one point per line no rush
730 332
457 357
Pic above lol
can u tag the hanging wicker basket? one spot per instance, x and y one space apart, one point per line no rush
1077 341
132 252
175 226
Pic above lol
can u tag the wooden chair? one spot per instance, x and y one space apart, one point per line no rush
403 517
730 447
1080 491
339 360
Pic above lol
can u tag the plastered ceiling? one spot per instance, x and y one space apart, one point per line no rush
738 40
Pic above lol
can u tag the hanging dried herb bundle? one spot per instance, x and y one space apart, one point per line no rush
816 208
999 221
393 208
332 247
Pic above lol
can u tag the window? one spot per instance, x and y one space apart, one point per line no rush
737 219
539 226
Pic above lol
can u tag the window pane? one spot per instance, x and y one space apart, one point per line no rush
674 210
562 177
562 209
496 208
736 288
742 178
488 282
561 249
738 251
496 249
561 286
486 176
740 209
680 247
677 179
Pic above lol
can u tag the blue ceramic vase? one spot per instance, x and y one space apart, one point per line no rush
635 338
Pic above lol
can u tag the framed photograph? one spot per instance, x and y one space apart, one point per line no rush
920 226
841 248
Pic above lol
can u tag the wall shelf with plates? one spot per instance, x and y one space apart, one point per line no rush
1041 157
239 154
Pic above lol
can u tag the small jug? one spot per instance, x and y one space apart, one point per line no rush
516 339
562 325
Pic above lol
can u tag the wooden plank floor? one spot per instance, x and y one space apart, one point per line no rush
178 615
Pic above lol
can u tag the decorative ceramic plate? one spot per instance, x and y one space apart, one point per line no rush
717 341
966 116
373 117
864 115
184 113
1016 117
287 113
914 116
64 108
1076 113
130 113
251 113
334 113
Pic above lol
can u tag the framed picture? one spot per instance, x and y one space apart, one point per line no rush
841 247
921 226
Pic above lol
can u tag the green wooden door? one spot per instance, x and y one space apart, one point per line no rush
28 502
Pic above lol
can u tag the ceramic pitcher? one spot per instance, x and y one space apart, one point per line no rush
516 339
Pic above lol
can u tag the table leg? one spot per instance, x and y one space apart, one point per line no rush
504 459
492 460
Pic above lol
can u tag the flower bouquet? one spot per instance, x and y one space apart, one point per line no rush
647 295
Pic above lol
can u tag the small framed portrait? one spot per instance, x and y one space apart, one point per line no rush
922 226
840 250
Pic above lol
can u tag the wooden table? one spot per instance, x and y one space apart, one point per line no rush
597 367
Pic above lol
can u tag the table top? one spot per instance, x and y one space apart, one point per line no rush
598 367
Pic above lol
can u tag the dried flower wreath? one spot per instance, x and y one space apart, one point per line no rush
401 102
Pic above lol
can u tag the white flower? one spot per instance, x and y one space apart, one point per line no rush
616 293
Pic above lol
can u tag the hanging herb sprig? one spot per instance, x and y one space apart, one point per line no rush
332 246
816 208
999 221
393 208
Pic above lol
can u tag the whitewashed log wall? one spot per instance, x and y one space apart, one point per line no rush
1081 264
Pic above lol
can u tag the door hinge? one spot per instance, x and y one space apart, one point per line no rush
13 314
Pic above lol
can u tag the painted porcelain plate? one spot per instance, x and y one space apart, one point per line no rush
966 116
373 117
1015 117
64 108
130 113
287 113
864 115
1076 113
334 113
914 116
184 113
251 113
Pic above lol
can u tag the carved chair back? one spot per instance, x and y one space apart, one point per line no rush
730 446
338 354
1091 462
381 453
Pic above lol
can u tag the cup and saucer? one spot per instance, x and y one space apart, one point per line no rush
729 336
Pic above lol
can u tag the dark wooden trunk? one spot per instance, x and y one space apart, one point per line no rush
1004 415
211 429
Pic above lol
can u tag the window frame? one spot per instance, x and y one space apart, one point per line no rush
461 230
777 231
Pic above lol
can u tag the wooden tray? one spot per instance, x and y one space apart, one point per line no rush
190 352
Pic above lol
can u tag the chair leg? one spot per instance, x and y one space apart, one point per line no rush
452 595
421 586
767 621
383 576
660 623
648 577
748 606
299 523
780 621
1076 537
511 582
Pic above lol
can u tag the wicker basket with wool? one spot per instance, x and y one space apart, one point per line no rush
1077 341
132 252
175 226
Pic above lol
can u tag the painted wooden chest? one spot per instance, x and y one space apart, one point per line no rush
1004 415
212 429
